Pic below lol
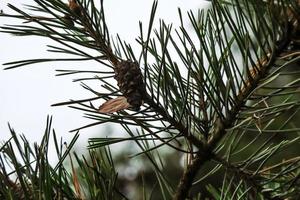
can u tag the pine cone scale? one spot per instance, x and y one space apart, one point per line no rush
131 83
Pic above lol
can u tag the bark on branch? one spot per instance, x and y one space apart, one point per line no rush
189 175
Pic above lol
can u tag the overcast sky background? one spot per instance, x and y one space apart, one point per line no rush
28 92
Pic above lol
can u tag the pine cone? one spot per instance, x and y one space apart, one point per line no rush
130 82
74 7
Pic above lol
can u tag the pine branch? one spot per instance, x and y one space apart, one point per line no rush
179 126
190 173
249 178
204 106
220 131
222 125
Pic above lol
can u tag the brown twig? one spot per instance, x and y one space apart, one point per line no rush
284 162
189 174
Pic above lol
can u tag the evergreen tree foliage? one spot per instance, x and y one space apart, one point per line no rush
221 94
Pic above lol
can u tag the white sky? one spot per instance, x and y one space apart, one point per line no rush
26 94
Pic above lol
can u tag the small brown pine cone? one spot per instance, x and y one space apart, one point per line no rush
130 82
74 7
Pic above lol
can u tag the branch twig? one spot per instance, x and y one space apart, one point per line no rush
189 174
